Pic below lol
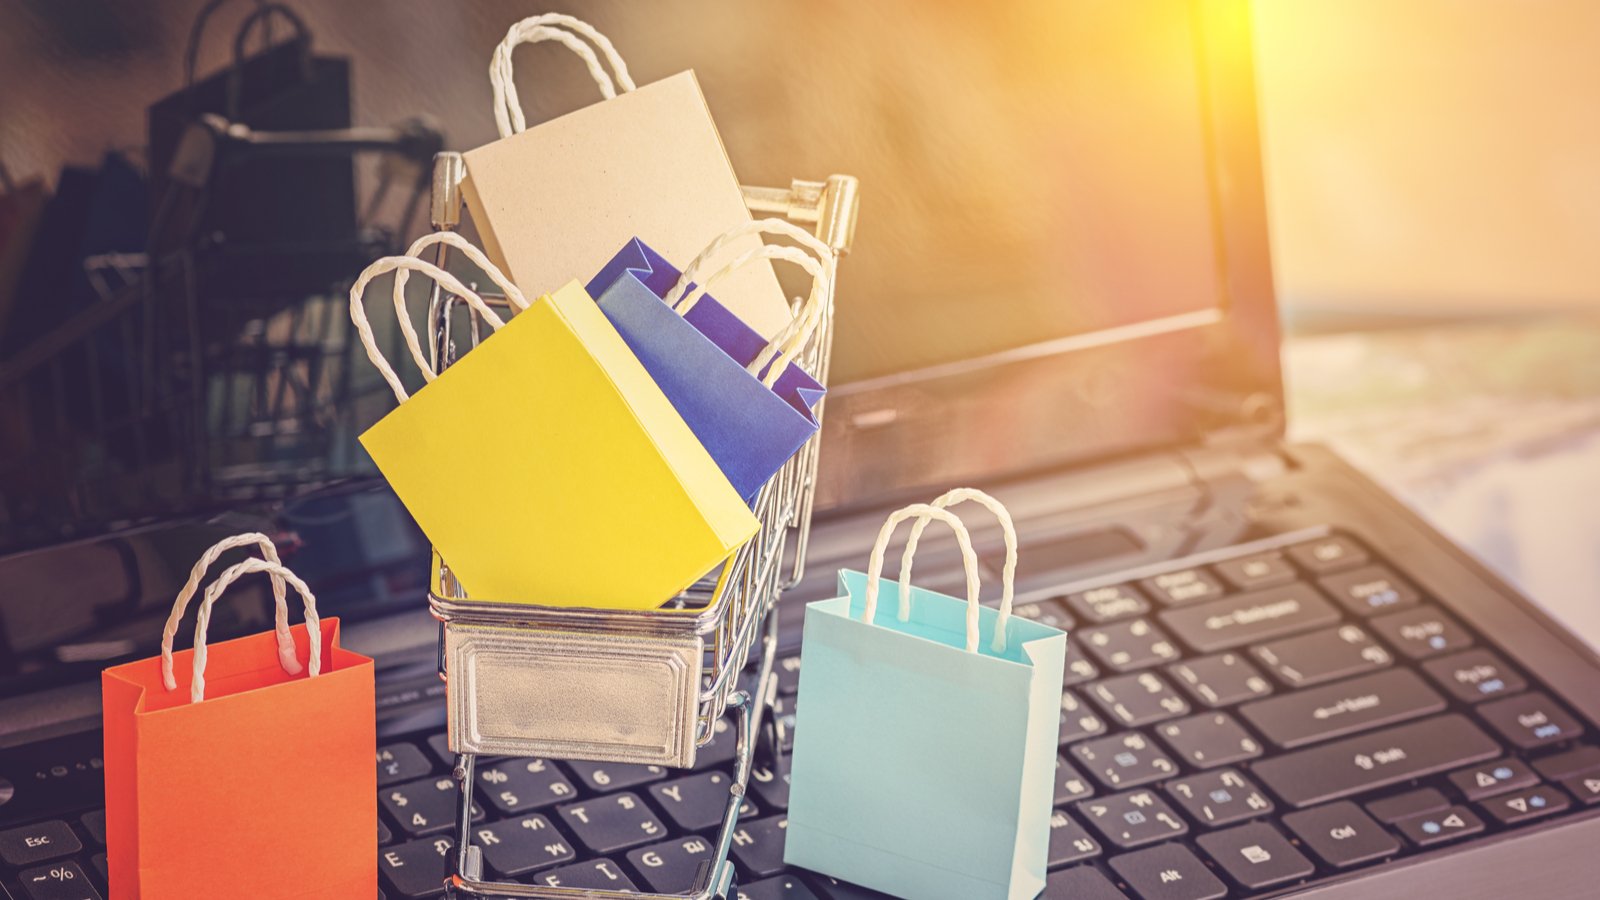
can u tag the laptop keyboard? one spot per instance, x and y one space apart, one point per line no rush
1266 720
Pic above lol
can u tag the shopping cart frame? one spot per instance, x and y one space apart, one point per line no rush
713 626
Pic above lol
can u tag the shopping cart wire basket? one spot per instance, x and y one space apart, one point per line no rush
646 687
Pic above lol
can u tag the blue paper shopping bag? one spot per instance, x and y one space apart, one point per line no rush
743 396
925 747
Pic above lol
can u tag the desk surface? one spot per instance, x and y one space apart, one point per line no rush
1490 431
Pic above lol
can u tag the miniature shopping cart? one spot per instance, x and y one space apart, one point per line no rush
646 687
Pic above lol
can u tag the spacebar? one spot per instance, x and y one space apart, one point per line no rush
1375 760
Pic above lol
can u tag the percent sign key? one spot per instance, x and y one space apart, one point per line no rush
58 881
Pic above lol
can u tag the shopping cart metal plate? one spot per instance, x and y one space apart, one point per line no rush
565 695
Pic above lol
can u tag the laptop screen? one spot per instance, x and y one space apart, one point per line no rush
1061 255
1039 175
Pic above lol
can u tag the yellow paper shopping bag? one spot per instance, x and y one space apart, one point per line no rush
545 465
557 198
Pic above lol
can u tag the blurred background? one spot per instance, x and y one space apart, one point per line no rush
1433 175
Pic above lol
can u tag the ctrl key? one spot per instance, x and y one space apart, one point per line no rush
57 881
1433 828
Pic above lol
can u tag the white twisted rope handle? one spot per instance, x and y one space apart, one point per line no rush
1008 574
197 690
269 552
508 115
969 560
514 295
819 264
358 313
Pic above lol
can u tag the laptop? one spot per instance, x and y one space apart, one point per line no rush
1281 682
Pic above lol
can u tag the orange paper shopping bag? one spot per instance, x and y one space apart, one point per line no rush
242 769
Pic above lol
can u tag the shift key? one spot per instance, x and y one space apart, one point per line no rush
1247 618
1381 758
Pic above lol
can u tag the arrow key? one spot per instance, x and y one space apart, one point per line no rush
1585 787
1437 827
1485 780
1524 805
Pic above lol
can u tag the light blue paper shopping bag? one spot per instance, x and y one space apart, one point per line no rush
925 746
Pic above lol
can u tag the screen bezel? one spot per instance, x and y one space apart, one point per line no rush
1079 400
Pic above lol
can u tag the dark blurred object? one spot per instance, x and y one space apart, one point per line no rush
21 208
94 211
266 225
155 398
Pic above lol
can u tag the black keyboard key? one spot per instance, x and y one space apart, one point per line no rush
1081 883
1138 699
1485 780
1079 668
697 802
425 806
1585 787
1526 804
1328 554
1250 618
518 846
1219 798
1070 783
1256 855
1530 720
1475 675
1045 612
1106 604
1126 646
1341 835
1574 761
1334 710
1167 872
1258 570
1422 632
1070 842
603 777
608 824
1078 721
1184 586
788 671
416 868
769 788
670 867
94 825
1209 740
782 887
1405 805
37 843
593 875
100 865
721 749
57 881
1309 659
401 762
1440 826
1132 819
1335 770
758 846
1124 760
519 785
439 746
1221 680
1370 590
